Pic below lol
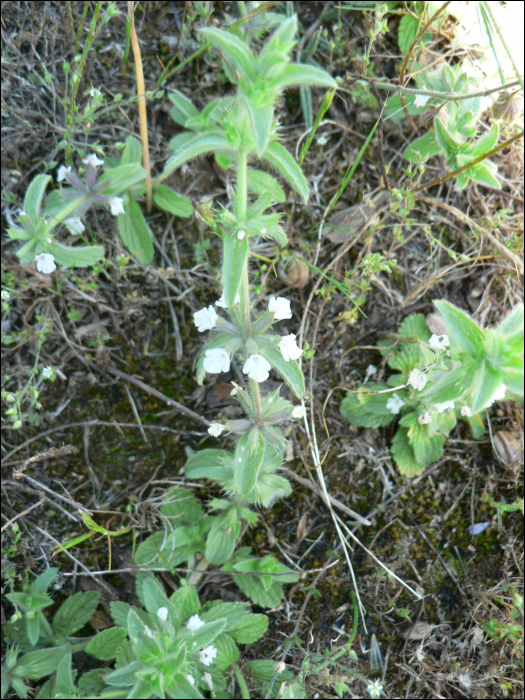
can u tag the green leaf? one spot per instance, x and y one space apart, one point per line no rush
91 682
235 256
404 456
145 646
153 594
179 142
132 152
222 537
183 108
43 581
126 677
444 139
284 163
106 645
512 377
186 602
197 146
367 410
427 448
210 464
227 652
233 613
281 41
75 612
487 380
181 505
79 256
38 664
118 180
463 332
34 195
306 106
261 122
303 74
449 386
233 48
511 328
476 425
119 612
248 459
135 233
203 636
422 148
481 173
408 30
289 371
484 144
250 629
172 202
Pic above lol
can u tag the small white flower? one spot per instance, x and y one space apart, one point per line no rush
94 92
439 342
440 407
263 232
205 319
217 360
116 204
280 308
48 372
299 412
417 379
220 302
465 411
190 679
162 614
206 677
289 348
394 403
194 623
235 390
421 100
61 172
207 655
425 418
257 368
497 395
93 160
374 689
322 140
370 370
216 429
6 295
45 263
241 234
148 632
75 225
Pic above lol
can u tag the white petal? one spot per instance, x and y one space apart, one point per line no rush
417 379
216 429
241 234
61 172
75 225
370 370
394 404
280 307
217 360
289 348
205 319
425 419
93 160
194 623
440 407
257 368
45 263
220 302
162 614
465 411
117 206
299 412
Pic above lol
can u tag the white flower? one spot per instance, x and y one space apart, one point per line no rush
257 368
263 232
374 689
190 679
425 418
162 614
421 100
220 302
289 348
207 655
497 395
280 308
439 342
75 225
394 404
299 412
116 204
194 623
417 379
93 160
241 234
322 140
61 172
6 295
465 411
216 429
370 370
45 263
217 360
206 677
235 389
440 407
48 372
94 92
205 319
148 632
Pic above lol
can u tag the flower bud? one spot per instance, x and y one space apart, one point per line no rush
507 107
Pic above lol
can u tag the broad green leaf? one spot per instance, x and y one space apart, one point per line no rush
233 613
427 448
284 163
289 371
153 594
476 425
404 456
43 581
232 48
235 256
125 677
248 458
250 629
178 686
487 380
443 138
145 646
179 142
303 74
38 664
264 670
119 612
91 683
512 325
282 40
135 233
34 196
227 652
119 179
261 122
463 332
197 146
203 636
106 645
64 685
181 505
422 148
450 387
484 144
512 377
367 410
210 464
408 29
222 537
132 152
186 602
183 108
79 256
172 202
481 173
75 612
